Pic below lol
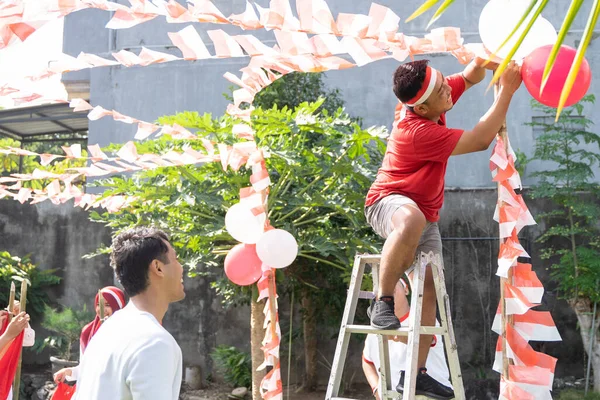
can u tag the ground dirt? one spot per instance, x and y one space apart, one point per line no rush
217 391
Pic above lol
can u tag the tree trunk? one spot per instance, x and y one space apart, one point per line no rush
584 311
309 323
257 334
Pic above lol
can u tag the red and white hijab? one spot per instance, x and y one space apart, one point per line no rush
116 299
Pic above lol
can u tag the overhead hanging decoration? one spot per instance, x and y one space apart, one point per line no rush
365 38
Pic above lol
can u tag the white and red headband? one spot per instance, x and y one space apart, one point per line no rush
423 94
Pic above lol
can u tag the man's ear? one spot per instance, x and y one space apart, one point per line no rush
421 109
156 267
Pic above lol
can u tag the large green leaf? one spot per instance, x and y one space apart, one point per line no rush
422 9
500 70
516 28
579 56
562 34
439 12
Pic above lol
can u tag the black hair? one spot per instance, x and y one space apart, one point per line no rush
408 79
132 253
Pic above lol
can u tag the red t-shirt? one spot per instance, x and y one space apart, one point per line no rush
416 157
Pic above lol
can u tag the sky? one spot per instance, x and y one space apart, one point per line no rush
31 57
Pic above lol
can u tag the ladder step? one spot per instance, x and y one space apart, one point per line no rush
425 330
392 394
370 258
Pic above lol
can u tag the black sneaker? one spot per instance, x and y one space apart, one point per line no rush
427 386
382 314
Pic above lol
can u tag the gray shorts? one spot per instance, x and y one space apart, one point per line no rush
379 216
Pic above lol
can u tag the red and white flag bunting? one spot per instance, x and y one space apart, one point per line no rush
511 391
534 380
528 283
271 385
510 250
516 303
533 325
532 373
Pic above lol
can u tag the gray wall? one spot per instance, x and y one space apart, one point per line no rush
57 237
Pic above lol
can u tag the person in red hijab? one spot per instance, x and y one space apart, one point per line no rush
114 301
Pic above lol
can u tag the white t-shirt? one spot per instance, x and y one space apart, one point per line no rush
436 360
131 357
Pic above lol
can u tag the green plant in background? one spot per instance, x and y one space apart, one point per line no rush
321 166
573 394
295 88
235 365
570 152
321 163
521 162
13 268
9 163
13 164
66 326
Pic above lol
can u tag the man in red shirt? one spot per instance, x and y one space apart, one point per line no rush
403 203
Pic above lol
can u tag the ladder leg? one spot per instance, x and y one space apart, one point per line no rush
446 323
385 381
337 367
412 349
375 276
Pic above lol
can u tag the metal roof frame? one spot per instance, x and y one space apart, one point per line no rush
45 123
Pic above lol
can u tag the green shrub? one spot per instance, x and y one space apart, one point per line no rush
67 325
235 365
573 394
13 268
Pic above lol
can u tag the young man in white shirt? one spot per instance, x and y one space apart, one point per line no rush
435 365
132 357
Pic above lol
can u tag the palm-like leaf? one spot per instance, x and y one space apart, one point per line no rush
564 29
574 9
504 64
424 8
516 28
439 12
587 37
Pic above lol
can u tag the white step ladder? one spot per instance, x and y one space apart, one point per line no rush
386 390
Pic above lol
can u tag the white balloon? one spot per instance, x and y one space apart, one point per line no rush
277 248
243 225
499 18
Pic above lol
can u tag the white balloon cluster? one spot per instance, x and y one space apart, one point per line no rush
499 18
276 248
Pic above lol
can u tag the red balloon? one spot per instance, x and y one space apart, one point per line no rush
533 70
242 265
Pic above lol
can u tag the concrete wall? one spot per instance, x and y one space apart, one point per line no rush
149 92
57 237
